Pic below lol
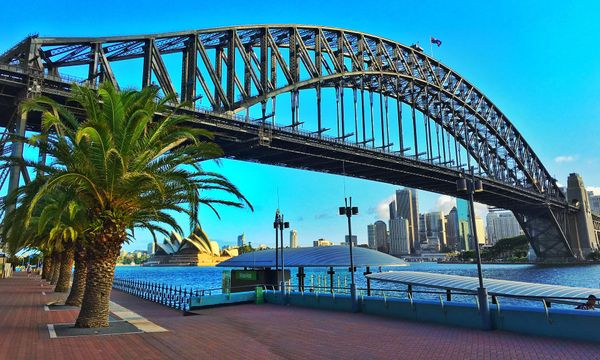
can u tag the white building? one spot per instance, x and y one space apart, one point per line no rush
399 237
502 225
293 239
322 242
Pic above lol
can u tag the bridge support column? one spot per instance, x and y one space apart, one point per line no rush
546 235
581 234
17 152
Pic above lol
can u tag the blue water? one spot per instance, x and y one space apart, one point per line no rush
211 277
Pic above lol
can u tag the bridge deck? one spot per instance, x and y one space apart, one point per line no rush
257 331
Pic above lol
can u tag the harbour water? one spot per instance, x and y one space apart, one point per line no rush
211 277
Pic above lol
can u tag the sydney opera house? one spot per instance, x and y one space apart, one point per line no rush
195 250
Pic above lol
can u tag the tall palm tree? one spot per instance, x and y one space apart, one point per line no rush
133 162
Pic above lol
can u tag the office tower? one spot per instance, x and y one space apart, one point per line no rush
151 247
462 212
435 230
422 230
293 239
393 210
407 208
241 240
381 236
399 237
452 229
371 236
354 240
594 203
480 228
501 225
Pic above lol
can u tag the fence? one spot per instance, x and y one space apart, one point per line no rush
175 297
168 295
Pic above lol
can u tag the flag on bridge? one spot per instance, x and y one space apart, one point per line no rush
438 42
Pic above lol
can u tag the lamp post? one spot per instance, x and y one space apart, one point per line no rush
282 225
279 224
472 186
348 210
276 227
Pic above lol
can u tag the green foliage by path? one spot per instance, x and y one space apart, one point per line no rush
130 161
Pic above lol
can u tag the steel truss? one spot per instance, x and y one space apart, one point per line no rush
237 69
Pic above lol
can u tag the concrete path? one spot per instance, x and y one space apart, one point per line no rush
255 332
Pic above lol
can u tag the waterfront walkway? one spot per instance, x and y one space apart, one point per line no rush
256 332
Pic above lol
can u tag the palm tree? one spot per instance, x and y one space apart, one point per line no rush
134 163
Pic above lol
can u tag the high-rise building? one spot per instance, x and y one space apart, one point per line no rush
435 225
293 239
371 236
594 203
399 237
501 225
422 230
480 228
452 229
407 208
462 213
393 210
151 247
241 240
354 240
381 236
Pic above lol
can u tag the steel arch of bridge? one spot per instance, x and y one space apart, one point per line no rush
243 67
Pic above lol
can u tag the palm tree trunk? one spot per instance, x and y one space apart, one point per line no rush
47 267
66 265
102 255
56 260
79 278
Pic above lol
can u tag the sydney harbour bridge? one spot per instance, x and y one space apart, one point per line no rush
317 98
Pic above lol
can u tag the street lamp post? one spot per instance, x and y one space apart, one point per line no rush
348 210
472 186
276 227
282 225
279 225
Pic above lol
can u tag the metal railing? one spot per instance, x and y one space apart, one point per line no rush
176 297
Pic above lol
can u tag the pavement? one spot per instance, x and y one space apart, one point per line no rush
252 331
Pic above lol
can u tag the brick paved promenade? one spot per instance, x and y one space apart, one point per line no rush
256 332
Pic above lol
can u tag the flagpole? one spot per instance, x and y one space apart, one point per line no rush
430 46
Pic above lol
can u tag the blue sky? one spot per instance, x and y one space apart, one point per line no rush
539 63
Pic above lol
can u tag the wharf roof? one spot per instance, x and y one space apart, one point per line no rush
322 256
493 286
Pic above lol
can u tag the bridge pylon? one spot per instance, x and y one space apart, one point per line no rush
582 237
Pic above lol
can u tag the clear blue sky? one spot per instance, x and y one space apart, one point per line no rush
539 62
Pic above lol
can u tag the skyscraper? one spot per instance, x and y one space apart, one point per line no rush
241 240
452 229
393 210
371 236
462 212
594 203
293 239
407 208
501 225
399 237
381 237
480 229
435 230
